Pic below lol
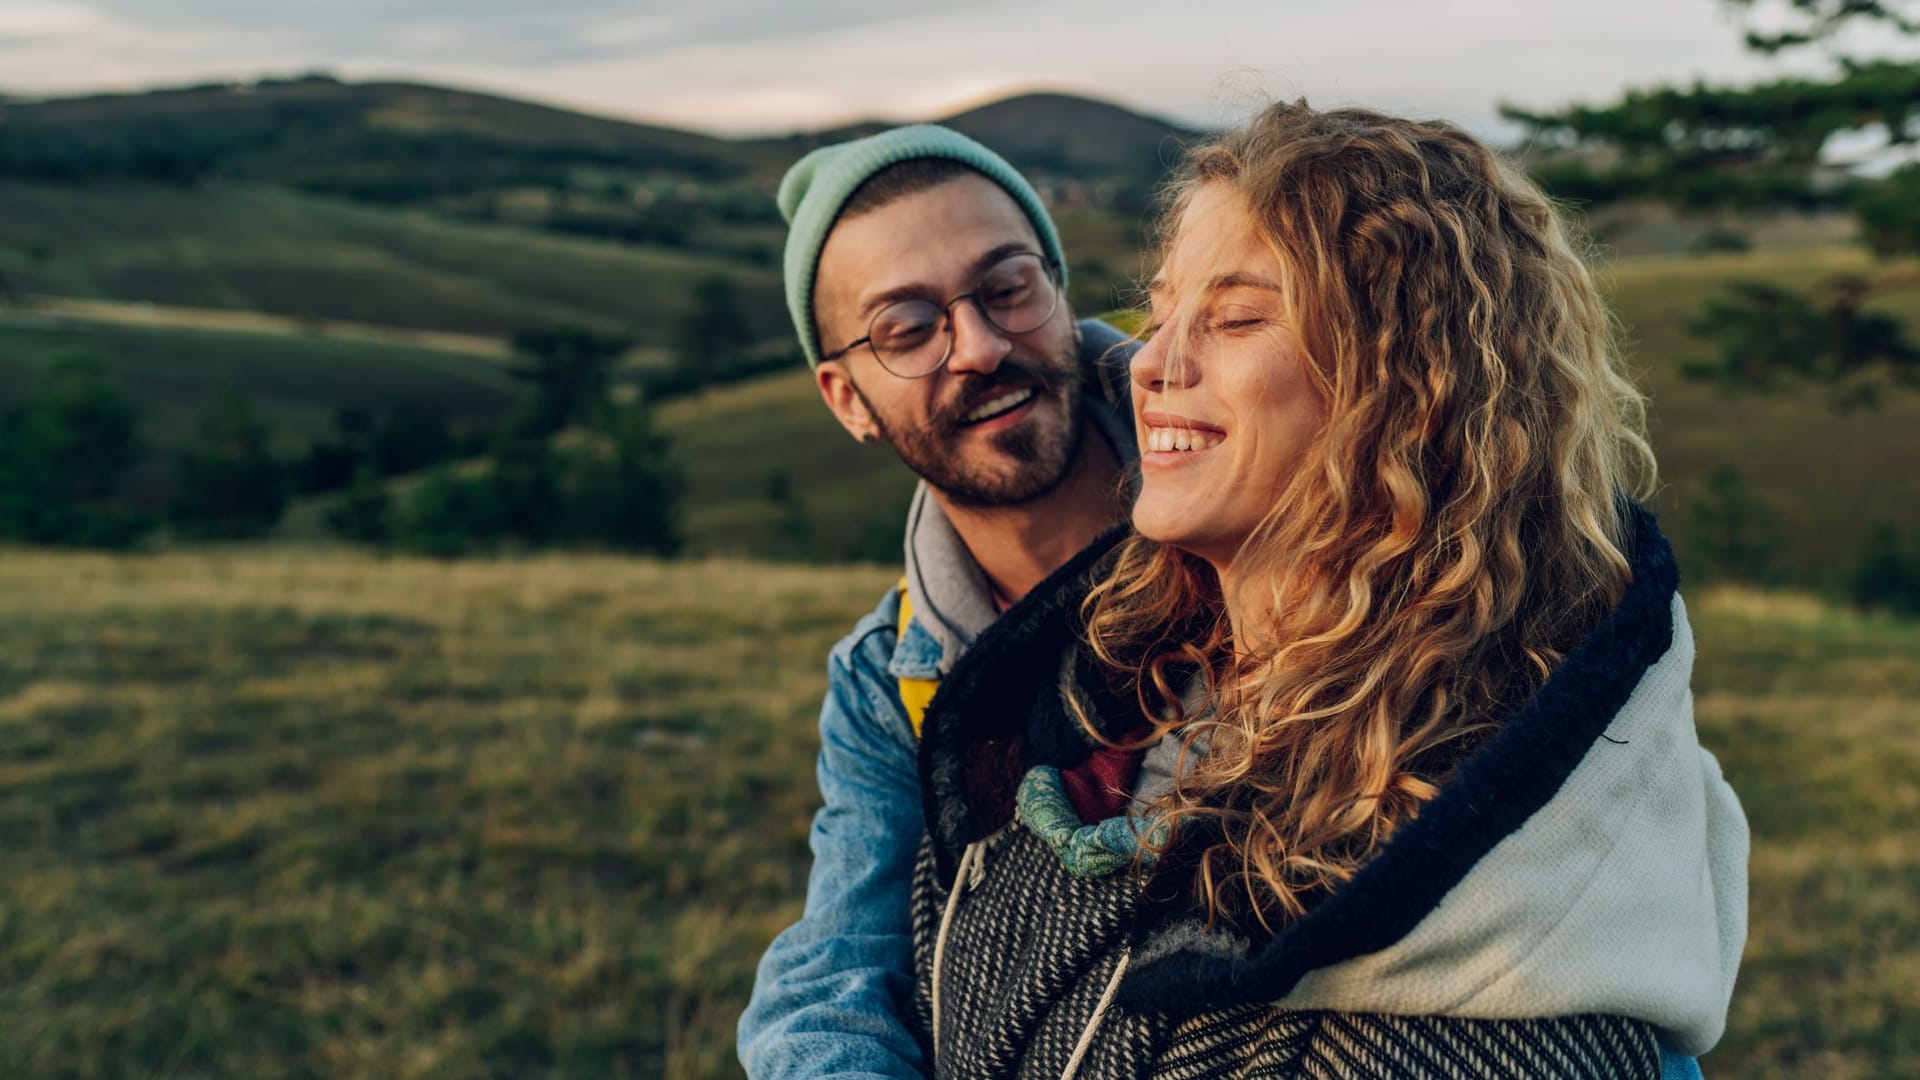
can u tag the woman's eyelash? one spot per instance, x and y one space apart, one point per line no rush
1148 330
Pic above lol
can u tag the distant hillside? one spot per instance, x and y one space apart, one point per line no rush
485 158
405 142
249 248
295 385
204 196
1057 136
1066 134
314 131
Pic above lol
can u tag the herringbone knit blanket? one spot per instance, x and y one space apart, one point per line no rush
1032 948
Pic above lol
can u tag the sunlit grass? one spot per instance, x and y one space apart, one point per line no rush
306 813
1814 711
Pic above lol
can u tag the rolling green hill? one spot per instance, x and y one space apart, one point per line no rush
1050 136
294 384
1827 476
1073 135
410 206
734 440
388 140
271 250
482 157
248 234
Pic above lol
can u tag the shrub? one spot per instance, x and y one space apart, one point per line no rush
227 484
622 490
1732 532
448 515
1887 574
63 453
365 512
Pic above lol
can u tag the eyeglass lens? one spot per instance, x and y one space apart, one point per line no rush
912 337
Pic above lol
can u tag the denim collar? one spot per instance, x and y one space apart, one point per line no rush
916 655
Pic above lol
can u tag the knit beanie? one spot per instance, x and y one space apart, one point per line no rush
814 190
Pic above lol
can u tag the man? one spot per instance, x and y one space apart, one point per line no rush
925 281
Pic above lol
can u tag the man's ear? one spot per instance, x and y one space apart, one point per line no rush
836 389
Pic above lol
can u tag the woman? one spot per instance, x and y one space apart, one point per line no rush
1370 751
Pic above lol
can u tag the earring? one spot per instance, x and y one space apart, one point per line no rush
869 438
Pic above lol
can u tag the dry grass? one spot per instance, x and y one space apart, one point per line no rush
311 813
1815 713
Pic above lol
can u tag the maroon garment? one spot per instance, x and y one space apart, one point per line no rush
1101 786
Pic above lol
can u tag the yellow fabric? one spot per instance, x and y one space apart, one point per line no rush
914 693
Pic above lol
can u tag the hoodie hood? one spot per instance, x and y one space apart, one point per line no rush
1624 894
1589 858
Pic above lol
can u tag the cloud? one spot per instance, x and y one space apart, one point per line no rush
28 22
505 31
769 65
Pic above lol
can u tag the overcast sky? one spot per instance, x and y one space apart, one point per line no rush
748 66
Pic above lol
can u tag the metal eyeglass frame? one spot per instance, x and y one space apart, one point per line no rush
1051 276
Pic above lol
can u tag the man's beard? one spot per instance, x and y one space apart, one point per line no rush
1039 451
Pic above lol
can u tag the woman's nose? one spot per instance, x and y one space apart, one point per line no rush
1148 365
1156 366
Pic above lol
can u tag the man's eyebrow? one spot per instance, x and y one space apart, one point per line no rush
920 292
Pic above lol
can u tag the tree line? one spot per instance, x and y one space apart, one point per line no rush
1775 144
573 464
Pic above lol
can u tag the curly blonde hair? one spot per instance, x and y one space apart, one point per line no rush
1456 525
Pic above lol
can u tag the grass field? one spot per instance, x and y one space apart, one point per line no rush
288 812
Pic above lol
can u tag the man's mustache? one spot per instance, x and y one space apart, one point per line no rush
980 389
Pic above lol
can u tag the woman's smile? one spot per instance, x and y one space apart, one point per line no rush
1171 441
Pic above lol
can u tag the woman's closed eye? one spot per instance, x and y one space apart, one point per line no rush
1230 325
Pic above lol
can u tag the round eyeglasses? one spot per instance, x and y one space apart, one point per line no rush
914 338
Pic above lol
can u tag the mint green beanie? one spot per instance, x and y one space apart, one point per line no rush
818 185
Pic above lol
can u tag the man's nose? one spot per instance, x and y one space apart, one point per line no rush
978 345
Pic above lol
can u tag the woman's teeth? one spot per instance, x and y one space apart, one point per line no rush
995 406
1169 439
